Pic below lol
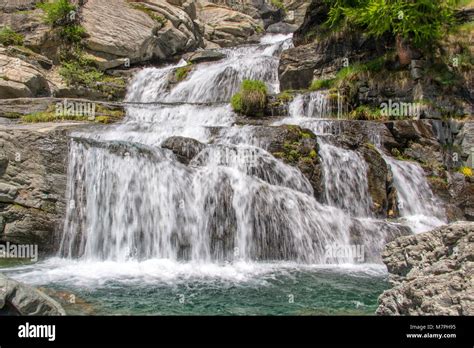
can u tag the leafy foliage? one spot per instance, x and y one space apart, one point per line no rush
421 21
57 12
9 37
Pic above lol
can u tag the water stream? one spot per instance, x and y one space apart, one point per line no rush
144 230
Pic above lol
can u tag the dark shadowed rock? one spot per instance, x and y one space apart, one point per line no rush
185 149
204 56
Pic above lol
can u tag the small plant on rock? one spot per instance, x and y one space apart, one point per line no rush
251 99
9 37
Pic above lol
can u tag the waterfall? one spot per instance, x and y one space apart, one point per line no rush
345 179
311 105
416 202
345 183
132 200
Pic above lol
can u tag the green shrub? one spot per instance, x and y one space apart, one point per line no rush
285 96
9 37
57 12
422 22
251 100
73 33
321 84
278 4
236 102
365 113
77 73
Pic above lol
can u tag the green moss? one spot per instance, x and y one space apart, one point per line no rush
371 146
9 37
366 113
72 33
80 73
285 96
251 100
259 29
398 155
349 74
103 114
316 85
278 4
11 115
152 14
182 73
106 114
295 148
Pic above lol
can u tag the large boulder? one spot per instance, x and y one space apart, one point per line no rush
137 31
33 166
21 299
118 31
185 149
431 273
19 79
224 26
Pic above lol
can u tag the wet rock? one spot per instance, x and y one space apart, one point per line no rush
204 56
297 147
185 149
380 182
281 28
20 299
33 183
431 273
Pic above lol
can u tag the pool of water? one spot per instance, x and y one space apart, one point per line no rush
162 287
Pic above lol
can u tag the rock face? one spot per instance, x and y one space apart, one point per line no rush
19 79
185 149
33 166
320 53
431 273
224 26
20 299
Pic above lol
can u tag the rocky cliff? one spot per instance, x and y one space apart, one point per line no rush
96 37
431 273
368 72
33 167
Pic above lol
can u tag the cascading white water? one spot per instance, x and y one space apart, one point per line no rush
235 201
345 174
417 203
310 105
345 179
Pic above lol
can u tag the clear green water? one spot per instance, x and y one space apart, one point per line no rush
153 289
